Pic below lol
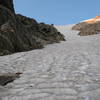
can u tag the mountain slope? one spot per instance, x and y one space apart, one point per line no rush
88 27
19 33
69 70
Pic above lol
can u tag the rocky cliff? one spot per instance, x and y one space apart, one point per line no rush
19 33
88 27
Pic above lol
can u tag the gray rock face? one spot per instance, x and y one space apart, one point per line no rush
19 33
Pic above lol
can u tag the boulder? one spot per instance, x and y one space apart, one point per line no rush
6 78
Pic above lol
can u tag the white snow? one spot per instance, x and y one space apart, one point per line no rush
69 70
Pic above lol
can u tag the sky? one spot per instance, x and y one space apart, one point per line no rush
58 12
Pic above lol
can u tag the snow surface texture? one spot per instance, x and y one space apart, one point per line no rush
68 70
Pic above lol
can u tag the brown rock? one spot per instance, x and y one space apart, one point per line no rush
88 27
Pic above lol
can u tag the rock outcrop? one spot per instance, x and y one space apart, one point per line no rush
88 27
8 77
19 33
8 4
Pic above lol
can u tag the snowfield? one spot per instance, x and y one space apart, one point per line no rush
68 70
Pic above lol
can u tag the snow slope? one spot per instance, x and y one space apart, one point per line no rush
68 70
